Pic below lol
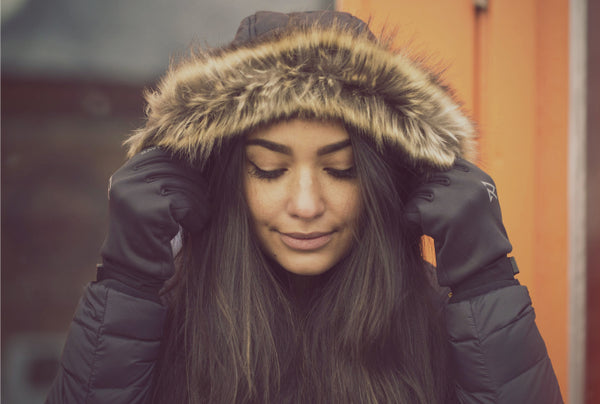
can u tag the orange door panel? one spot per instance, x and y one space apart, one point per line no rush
508 64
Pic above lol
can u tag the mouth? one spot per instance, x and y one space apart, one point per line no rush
306 241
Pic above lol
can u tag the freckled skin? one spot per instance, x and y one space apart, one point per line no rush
303 194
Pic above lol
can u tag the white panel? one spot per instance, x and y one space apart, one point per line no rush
577 198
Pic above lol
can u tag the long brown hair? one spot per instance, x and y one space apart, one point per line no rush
365 332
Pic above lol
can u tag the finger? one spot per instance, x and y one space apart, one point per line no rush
193 219
190 209
183 192
159 160
423 193
439 178
413 219
412 213
463 164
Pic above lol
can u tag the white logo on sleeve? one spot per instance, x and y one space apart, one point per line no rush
491 189
109 187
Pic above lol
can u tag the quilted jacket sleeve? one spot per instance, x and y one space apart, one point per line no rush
498 352
111 349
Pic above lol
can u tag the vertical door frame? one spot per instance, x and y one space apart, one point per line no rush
577 198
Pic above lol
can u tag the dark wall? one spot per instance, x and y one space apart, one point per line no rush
60 143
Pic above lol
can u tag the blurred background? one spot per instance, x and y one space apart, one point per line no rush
73 74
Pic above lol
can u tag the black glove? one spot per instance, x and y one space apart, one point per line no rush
150 197
459 209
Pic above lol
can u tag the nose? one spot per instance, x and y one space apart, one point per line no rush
306 199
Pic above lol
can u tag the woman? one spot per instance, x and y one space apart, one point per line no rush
300 165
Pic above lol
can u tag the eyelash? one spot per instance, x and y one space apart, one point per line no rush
269 175
266 174
348 173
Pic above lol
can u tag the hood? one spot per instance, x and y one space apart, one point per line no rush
317 65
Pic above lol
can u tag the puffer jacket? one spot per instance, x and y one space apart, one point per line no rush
114 341
319 65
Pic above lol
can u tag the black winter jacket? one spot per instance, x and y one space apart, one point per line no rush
113 346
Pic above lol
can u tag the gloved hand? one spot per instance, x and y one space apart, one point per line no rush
150 197
459 209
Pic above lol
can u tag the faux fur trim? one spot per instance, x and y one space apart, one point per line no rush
316 72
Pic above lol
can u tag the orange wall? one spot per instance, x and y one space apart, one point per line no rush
509 65
551 143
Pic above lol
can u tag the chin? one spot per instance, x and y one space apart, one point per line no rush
307 266
311 271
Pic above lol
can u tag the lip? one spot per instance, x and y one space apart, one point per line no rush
306 241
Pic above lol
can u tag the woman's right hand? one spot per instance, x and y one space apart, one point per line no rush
151 197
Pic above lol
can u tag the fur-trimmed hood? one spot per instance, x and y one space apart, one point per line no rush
318 65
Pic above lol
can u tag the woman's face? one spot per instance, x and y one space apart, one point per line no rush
303 194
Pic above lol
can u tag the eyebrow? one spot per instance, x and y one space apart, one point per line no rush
331 148
267 144
279 148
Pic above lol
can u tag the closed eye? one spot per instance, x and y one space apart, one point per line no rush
347 173
258 172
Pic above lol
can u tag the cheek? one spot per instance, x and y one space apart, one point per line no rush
262 200
349 202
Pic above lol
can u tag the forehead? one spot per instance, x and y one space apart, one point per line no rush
301 133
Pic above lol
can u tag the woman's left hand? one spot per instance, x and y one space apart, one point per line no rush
459 209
